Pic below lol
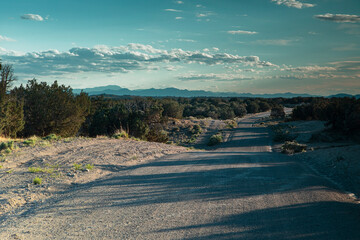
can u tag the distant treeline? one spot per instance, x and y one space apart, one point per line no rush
42 109
144 117
341 114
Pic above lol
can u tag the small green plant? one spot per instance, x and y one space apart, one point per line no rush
120 134
282 133
215 139
89 166
231 124
31 141
8 151
291 147
51 137
37 181
135 139
40 170
77 166
55 166
196 129
10 171
1 167
7 147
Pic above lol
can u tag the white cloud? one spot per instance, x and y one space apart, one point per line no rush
178 18
5 52
204 14
275 42
306 69
179 2
185 40
214 77
242 32
33 17
117 59
6 39
293 3
172 10
340 18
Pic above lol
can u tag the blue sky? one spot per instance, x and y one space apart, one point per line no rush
257 46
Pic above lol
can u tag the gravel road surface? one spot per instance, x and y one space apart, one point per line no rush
241 190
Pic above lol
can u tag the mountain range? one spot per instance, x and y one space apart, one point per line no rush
174 92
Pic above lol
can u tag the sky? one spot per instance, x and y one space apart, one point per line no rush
243 46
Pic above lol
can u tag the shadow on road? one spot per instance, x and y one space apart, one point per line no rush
229 173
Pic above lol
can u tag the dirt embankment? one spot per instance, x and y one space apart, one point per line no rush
62 164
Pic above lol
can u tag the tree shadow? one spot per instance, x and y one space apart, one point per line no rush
317 220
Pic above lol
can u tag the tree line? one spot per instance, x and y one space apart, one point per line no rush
38 108
341 114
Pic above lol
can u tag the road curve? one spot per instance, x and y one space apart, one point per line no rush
242 190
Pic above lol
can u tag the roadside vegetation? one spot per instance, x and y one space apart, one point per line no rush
42 113
215 139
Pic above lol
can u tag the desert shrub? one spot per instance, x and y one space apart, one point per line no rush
226 112
282 133
51 137
31 141
172 108
215 139
7 145
264 106
51 109
277 112
291 147
11 117
89 166
341 114
77 166
231 124
11 108
196 129
37 181
157 134
120 134
252 107
40 170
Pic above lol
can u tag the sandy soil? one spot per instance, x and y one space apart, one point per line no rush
58 159
336 158
239 190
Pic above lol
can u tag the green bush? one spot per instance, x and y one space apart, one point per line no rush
120 134
51 137
40 170
196 129
215 139
31 141
37 181
291 147
89 166
51 109
277 112
77 166
231 124
7 146
282 133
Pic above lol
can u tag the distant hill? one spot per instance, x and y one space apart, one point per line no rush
174 92
341 95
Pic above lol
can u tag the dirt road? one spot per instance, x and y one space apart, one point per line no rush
242 190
